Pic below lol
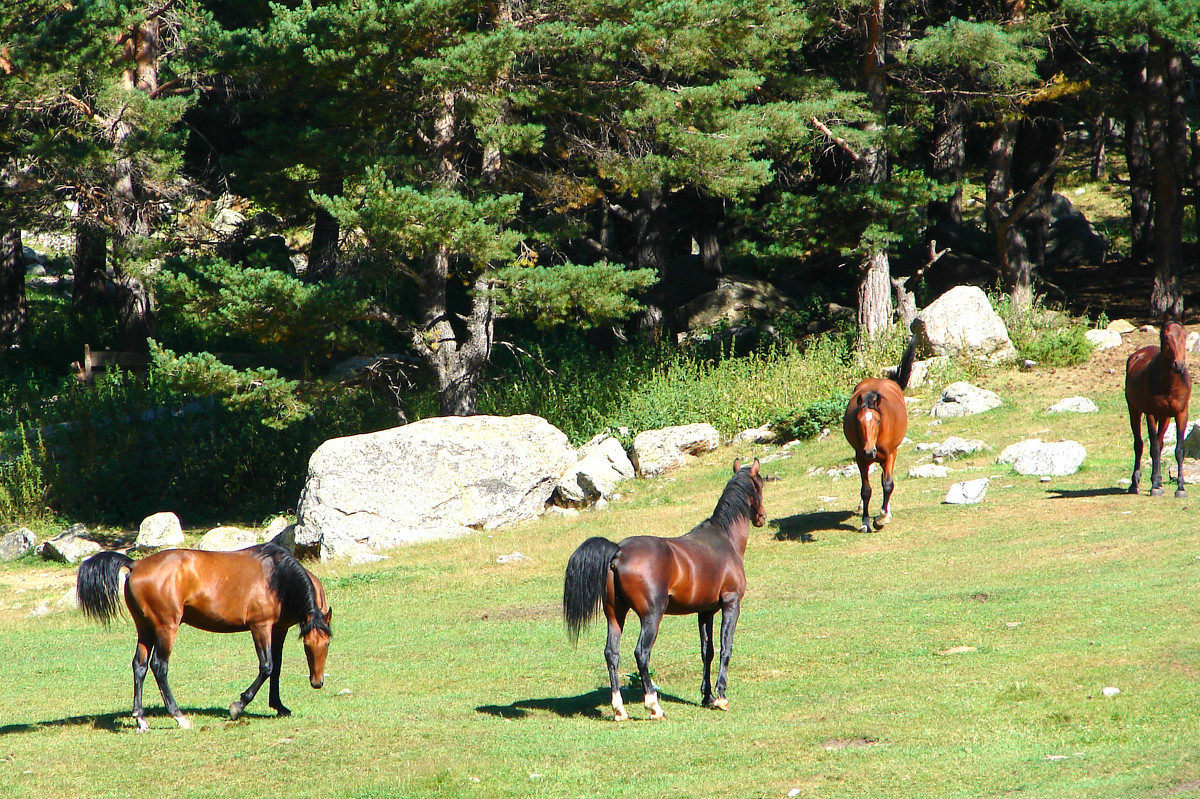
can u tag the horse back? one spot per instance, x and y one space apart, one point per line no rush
213 591
681 575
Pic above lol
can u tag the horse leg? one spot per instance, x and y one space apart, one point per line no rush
1180 430
1155 429
706 655
262 645
278 636
141 663
885 513
160 656
864 469
1135 422
612 656
731 606
641 653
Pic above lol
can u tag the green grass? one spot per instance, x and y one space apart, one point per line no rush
845 682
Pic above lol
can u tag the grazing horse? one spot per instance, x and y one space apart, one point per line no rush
699 572
263 589
1157 385
875 423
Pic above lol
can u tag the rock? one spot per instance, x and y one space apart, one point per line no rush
1170 436
1036 457
952 447
513 558
612 449
16 544
962 322
1110 690
436 478
589 480
273 528
1071 240
756 435
968 492
70 546
964 399
1103 339
737 300
1120 326
1073 405
655 451
1192 342
929 470
1191 442
227 539
228 222
157 531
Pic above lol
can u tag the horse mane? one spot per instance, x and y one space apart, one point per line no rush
871 400
292 585
736 500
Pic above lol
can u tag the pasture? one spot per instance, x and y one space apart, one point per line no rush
960 652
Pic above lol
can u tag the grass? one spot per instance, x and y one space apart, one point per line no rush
450 674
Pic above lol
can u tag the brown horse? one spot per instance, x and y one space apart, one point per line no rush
699 572
875 423
263 589
1158 385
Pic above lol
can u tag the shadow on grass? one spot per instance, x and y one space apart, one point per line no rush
1066 493
802 526
594 704
123 721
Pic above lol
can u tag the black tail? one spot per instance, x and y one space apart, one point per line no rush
98 585
904 371
583 586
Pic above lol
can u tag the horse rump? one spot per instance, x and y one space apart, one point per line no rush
98 585
584 583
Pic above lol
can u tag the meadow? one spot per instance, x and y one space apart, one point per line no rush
963 651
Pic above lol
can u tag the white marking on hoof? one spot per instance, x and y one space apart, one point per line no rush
142 726
184 724
656 711
721 704
618 706
881 520
622 716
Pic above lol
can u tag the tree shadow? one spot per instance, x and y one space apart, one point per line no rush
801 526
123 721
594 704
1067 493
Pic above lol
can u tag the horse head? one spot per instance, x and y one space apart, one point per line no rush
316 636
869 419
758 512
1173 345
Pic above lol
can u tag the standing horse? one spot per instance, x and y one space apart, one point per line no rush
1158 385
875 423
698 572
263 589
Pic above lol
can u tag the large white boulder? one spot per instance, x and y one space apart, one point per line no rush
601 466
227 539
1037 457
968 492
655 451
436 478
158 531
962 322
964 399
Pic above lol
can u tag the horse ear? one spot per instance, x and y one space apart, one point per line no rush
737 465
754 468
329 615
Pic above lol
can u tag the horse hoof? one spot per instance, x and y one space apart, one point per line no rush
657 714
1133 488
864 529
283 711
183 723
881 520
1180 493
142 726
235 710
1156 492
621 717
721 704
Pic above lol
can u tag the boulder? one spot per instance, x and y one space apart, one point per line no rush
1121 326
756 435
655 451
589 480
1170 435
921 370
1103 339
952 447
70 546
1071 240
929 470
436 478
964 399
612 449
1037 457
968 492
16 544
158 531
962 322
1073 405
227 539
736 300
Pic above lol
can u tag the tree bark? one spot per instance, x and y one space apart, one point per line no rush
650 225
949 156
1137 157
874 280
1100 131
1168 135
13 312
90 280
326 236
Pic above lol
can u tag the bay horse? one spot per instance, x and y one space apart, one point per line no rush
261 589
875 422
698 572
1158 386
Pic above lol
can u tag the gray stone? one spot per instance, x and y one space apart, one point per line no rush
655 451
968 492
1036 457
17 543
929 470
964 399
158 531
756 435
1103 339
952 447
962 322
612 449
1120 326
227 539
70 546
436 478
1073 405
589 480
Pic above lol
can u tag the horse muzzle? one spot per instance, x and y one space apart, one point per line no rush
1178 367
316 682
870 453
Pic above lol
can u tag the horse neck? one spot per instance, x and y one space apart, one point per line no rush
735 528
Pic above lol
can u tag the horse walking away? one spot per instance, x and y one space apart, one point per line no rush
262 589
875 422
1158 386
699 572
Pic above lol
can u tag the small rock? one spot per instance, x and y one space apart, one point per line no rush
17 543
1073 405
968 492
1111 691
1120 326
757 435
1045 478
964 399
159 530
1103 339
929 470
513 558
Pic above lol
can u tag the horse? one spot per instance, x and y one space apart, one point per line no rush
698 572
262 589
1158 386
875 422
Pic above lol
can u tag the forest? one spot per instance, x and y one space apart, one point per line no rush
511 207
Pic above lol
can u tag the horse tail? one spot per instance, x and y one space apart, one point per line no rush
904 372
98 585
583 586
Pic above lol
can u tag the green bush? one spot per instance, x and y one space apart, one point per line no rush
23 484
1064 346
809 421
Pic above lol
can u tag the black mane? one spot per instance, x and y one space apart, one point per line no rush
737 500
291 584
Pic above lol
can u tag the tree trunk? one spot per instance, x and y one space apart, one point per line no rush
135 314
326 236
650 225
874 280
90 280
1166 124
1100 131
949 157
13 313
1137 157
